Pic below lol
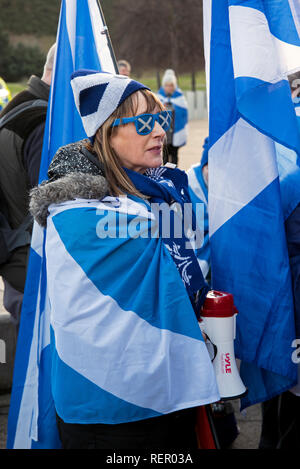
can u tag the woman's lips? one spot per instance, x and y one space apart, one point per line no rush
157 149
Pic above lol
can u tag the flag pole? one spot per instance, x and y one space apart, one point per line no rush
106 32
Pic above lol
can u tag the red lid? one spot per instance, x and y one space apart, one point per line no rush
218 305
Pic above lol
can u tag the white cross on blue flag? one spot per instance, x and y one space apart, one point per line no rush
81 43
251 46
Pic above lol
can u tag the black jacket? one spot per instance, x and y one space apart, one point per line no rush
19 169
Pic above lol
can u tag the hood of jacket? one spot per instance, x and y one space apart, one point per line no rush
73 173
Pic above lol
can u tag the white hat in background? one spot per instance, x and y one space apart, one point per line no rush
169 77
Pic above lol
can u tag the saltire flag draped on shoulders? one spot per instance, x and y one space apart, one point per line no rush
82 42
250 47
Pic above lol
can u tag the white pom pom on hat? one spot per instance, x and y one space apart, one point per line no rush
98 94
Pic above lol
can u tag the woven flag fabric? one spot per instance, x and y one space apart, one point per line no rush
81 43
251 45
179 103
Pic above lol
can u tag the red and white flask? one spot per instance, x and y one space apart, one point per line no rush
218 323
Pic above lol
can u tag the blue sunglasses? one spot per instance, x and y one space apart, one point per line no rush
144 123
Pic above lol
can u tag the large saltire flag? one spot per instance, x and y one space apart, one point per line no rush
179 103
250 47
82 42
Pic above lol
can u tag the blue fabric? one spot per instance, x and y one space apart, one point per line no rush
274 11
204 158
264 334
116 254
289 171
74 410
161 191
132 87
144 123
32 154
289 174
23 347
82 73
98 94
255 98
89 99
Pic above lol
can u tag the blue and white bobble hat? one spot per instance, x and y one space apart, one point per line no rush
98 94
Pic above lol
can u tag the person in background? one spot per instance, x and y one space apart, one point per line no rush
21 142
124 68
174 101
130 365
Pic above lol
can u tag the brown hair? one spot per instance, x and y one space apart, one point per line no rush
118 181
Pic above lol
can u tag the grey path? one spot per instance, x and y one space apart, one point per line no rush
249 422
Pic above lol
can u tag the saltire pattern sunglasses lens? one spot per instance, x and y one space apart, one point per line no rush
144 123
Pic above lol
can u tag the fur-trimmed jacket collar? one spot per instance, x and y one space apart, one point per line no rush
73 173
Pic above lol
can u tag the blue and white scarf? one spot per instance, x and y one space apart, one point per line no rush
165 185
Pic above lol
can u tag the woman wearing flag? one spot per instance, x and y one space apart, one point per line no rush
129 364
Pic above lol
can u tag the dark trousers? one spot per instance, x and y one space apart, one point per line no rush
171 431
281 422
170 154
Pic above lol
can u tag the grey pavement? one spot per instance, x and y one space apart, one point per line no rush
249 425
249 422
4 406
